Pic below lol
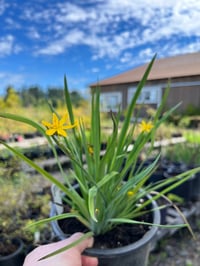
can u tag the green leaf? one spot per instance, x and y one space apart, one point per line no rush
38 127
96 129
129 221
25 121
110 157
175 181
131 107
71 245
92 193
50 219
36 167
68 101
106 179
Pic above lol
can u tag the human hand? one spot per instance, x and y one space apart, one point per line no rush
70 257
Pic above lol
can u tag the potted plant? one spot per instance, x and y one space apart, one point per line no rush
180 157
102 202
11 251
12 248
19 207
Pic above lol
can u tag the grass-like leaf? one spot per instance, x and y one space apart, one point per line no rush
71 245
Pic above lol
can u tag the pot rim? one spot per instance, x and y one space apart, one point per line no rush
16 252
131 247
119 250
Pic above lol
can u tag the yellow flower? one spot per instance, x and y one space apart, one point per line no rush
72 210
96 211
90 149
58 126
146 126
130 193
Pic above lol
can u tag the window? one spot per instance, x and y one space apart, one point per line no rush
110 101
147 95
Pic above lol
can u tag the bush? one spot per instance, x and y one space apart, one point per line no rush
30 206
190 122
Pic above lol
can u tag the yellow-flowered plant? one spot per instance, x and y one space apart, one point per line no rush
146 126
110 184
58 126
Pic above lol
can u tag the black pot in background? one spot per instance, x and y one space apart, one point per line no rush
16 258
195 186
156 177
135 254
103 146
185 190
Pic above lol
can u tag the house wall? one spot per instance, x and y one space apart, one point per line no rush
117 88
185 90
187 95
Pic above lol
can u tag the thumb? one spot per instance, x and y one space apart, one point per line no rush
86 243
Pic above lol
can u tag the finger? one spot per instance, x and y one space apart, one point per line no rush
46 249
89 261
87 243
61 243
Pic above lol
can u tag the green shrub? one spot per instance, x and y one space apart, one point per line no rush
20 206
188 153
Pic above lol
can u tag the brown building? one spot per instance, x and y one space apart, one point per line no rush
183 72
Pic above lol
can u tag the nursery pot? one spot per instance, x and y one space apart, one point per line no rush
135 254
196 187
186 189
17 257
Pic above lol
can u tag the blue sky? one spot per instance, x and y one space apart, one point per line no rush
41 40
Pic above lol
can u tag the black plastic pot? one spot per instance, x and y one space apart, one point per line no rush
156 177
17 257
195 186
185 190
135 254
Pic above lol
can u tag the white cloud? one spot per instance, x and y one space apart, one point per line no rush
11 79
3 6
36 13
110 28
71 13
59 46
6 45
174 48
11 23
126 58
168 49
52 49
100 25
146 53
33 33
95 70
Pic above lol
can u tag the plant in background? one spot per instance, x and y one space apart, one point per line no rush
20 207
188 153
105 198
192 136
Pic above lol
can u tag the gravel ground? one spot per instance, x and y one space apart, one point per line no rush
180 249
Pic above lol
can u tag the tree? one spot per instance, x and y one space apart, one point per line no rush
56 96
12 98
2 104
76 98
32 96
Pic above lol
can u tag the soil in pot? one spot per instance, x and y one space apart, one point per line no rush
120 236
7 246
125 245
11 252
